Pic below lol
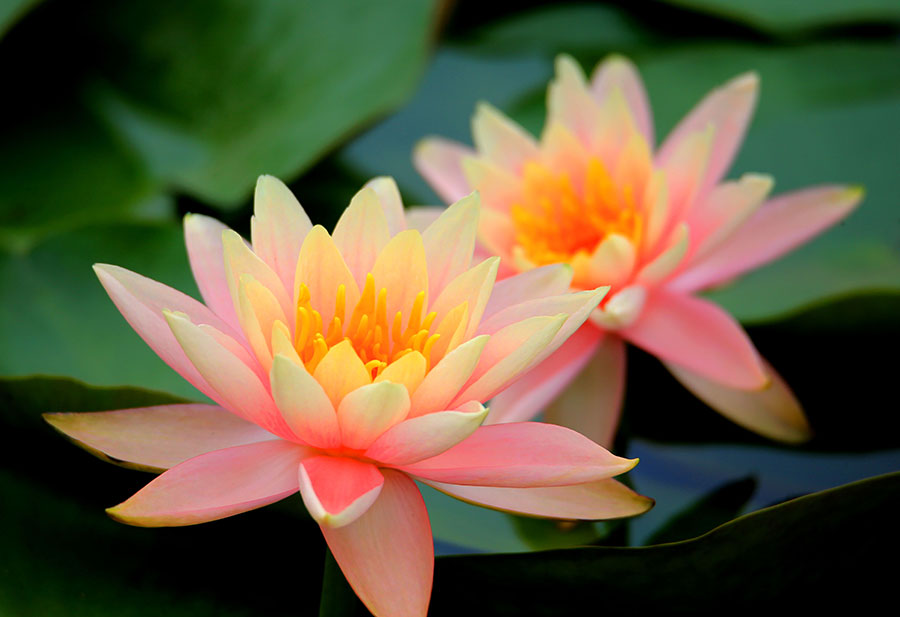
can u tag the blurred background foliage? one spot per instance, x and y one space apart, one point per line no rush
119 118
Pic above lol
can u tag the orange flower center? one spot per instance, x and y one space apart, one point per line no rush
557 220
377 341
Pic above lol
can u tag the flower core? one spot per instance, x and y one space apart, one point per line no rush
558 218
377 341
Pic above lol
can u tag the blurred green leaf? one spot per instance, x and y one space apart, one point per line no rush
57 319
13 10
236 89
788 553
714 509
783 17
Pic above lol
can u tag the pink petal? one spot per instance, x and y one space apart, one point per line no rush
240 260
498 187
569 103
425 436
531 393
549 280
237 385
685 171
216 485
338 490
521 455
773 412
699 336
156 438
304 405
449 243
592 404
500 140
728 109
619 72
142 302
387 554
440 163
368 411
779 226
278 227
604 499
203 238
391 204
473 286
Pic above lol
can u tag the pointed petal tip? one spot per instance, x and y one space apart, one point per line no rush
854 194
745 82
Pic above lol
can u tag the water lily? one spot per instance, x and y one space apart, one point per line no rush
657 227
344 366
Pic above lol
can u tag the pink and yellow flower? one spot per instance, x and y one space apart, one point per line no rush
344 366
656 227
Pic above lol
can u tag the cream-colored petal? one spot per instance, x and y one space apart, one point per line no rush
666 262
361 233
613 261
444 380
304 405
450 241
408 371
622 309
473 286
278 227
341 371
258 312
617 72
389 196
370 410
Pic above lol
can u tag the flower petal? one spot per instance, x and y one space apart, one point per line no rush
425 436
569 103
389 196
387 554
259 310
216 485
551 280
449 243
409 370
699 336
420 217
685 171
779 226
604 499
322 268
338 490
341 371
203 238
520 455
156 438
440 163
534 391
622 309
304 405
142 302
592 404
236 384
473 286
368 411
443 382
278 227
401 268
618 72
508 354
240 261
773 412
728 109
612 262
501 140
361 233
668 260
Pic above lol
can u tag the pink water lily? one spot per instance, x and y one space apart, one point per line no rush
656 227
344 366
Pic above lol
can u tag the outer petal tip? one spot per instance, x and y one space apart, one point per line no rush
745 81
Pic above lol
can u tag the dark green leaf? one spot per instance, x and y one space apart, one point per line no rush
804 551
714 509
13 10
784 17
57 319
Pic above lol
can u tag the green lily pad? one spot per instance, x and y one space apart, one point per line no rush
811 551
782 17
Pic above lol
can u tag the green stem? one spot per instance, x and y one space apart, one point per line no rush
338 598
